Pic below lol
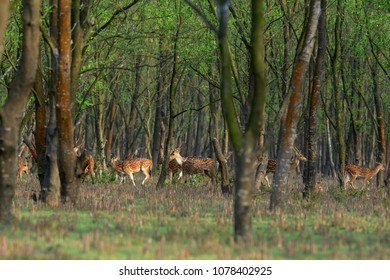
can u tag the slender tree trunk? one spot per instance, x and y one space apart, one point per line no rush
214 127
226 188
99 127
169 141
380 124
110 132
40 125
286 48
244 144
330 149
288 135
50 192
131 135
79 13
310 171
338 97
157 132
12 112
200 129
66 155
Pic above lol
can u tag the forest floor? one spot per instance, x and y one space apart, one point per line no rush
194 221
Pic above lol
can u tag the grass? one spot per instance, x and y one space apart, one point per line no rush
116 221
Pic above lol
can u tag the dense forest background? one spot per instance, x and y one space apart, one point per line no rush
140 67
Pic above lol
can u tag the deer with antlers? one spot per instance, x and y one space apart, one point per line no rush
192 165
129 166
354 172
294 163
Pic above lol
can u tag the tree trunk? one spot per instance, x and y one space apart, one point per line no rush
110 132
79 13
288 135
12 112
309 177
157 139
66 153
330 150
99 127
40 125
380 124
226 188
50 191
244 144
338 97
169 141
200 128
131 135
214 127
4 12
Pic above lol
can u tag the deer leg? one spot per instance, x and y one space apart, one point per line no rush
147 175
267 180
353 180
367 181
180 175
170 176
92 177
132 178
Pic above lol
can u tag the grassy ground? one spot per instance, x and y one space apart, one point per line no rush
194 221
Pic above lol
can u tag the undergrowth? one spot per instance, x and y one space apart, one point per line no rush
195 221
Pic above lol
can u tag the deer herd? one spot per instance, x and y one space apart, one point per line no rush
186 166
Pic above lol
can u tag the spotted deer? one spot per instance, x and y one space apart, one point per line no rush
173 168
318 188
22 167
194 165
118 169
85 165
294 163
129 166
354 171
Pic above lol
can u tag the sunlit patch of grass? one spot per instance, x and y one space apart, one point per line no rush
194 220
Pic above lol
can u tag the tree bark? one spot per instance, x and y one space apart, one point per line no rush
310 171
4 12
40 125
338 97
66 153
157 132
50 191
244 144
110 128
79 14
131 135
172 86
380 124
12 112
288 135
226 188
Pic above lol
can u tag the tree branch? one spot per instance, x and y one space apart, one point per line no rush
114 15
